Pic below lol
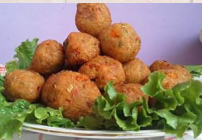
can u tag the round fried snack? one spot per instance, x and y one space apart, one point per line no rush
160 64
23 84
103 69
81 48
175 74
136 71
183 70
48 58
174 77
120 41
132 92
72 91
91 18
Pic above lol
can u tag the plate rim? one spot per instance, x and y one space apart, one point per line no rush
92 134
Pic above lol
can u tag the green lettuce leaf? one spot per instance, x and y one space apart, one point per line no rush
175 110
23 55
111 112
51 117
196 71
179 108
1 83
14 114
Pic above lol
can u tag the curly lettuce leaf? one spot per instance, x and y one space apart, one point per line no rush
52 117
1 83
23 55
179 108
196 71
112 112
11 66
14 114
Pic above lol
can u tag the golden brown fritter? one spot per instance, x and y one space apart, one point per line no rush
103 69
48 58
81 48
23 84
91 18
136 71
175 74
174 77
120 41
72 91
182 69
132 92
160 64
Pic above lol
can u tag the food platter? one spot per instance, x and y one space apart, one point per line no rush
95 134
101 134
94 81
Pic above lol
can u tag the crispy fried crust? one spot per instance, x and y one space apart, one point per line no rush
120 41
80 48
136 71
23 84
132 92
175 74
72 91
174 77
91 18
103 69
48 58
160 64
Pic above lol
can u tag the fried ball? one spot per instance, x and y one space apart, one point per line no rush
183 70
81 48
136 71
132 92
48 58
23 84
175 74
72 91
174 77
91 18
120 41
160 64
103 69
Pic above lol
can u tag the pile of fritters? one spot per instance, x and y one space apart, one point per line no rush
74 74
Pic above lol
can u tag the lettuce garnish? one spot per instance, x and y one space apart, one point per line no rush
175 110
195 70
23 55
112 112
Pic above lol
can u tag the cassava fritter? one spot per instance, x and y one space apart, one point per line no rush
81 48
91 18
160 64
48 58
132 92
174 77
120 41
23 84
136 71
103 69
175 74
72 91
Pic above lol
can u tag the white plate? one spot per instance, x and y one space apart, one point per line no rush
95 134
